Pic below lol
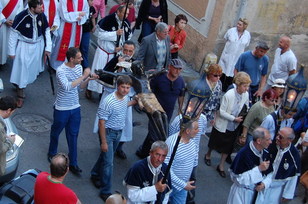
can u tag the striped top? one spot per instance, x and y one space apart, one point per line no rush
183 162
113 111
174 128
67 96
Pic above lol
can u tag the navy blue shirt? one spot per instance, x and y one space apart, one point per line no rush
167 91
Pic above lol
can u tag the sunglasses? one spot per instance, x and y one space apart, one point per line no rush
217 75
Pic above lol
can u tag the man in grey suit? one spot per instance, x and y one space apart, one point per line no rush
154 50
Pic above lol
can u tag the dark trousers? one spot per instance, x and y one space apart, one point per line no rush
252 91
226 81
151 137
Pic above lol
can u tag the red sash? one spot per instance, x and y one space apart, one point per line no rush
8 9
51 12
67 31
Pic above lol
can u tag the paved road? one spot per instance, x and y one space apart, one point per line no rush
35 118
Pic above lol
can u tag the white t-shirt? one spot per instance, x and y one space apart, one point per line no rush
283 64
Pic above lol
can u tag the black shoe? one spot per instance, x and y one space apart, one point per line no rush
75 170
104 196
121 154
96 182
221 173
207 161
228 159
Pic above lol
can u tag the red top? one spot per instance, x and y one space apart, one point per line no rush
47 191
131 15
177 38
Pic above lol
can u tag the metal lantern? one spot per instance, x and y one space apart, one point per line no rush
197 94
296 87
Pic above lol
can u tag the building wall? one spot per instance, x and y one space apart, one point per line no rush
269 19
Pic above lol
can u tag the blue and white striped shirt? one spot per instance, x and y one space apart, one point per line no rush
174 128
183 162
67 96
113 111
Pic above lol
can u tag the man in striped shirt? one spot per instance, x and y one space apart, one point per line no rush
67 108
183 163
111 113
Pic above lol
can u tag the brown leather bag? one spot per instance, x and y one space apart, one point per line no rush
304 179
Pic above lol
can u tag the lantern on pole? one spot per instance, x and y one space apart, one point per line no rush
197 94
295 90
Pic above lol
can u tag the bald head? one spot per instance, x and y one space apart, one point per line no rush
289 132
116 199
285 43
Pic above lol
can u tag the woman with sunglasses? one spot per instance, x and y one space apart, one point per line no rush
224 132
213 72
257 113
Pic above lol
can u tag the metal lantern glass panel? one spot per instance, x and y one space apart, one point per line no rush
295 90
197 94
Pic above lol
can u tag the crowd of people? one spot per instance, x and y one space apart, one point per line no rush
245 109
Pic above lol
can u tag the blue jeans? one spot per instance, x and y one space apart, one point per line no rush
84 49
178 197
70 120
103 167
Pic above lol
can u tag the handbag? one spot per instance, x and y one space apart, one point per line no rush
244 111
304 179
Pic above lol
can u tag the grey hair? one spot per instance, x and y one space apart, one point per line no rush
263 45
159 144
259 132
160 27
289 131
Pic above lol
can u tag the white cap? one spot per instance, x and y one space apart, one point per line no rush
279 83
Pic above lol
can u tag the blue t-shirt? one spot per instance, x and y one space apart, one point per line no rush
167 92
255 67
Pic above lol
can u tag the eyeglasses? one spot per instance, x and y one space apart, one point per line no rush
280 84
217 75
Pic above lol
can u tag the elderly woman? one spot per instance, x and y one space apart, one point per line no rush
213 72
177 35
224 131
257 113
237 39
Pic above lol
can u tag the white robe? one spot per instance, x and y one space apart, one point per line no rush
28 54
105 40
242 190
234 47
70 17
283 188
56 21
5 30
